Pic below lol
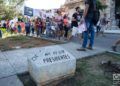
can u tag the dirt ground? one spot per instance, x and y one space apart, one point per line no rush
89 72
16 42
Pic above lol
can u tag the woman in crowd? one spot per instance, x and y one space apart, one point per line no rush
59 21
27 27
19 28
66 26
33 27
38 25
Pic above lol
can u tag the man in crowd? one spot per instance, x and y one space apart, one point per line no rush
88 15
75 21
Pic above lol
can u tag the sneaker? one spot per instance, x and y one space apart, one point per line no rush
81 49
90 48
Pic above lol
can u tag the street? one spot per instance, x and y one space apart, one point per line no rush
103 42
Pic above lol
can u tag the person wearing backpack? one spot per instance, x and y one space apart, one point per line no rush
90 17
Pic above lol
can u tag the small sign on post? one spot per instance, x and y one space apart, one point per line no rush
51 63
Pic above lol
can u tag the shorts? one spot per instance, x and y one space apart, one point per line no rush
74 31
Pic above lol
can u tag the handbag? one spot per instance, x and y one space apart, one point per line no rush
82 27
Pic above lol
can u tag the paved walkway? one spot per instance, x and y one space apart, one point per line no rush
15 62
112 31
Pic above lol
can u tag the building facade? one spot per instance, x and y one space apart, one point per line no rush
111 12
70 6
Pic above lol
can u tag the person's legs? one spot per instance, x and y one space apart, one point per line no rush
37 30
115 45
32 30
66 31
26 30
98 30
92 34
86 34
85 39
74 31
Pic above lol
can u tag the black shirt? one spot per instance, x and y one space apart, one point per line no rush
91 9
77 17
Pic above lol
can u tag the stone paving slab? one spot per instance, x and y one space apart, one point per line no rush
11 81
112 31
72 48
18 59
2 56
6 69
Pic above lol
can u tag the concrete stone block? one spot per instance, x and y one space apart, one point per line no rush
51 63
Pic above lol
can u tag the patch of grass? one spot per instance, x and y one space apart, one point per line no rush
19 38
12 42
90 73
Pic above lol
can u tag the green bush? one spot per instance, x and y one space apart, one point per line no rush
3 30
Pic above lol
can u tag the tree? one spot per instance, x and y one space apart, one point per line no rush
100 6
8 8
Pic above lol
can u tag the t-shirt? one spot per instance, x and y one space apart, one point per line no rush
27 24
91 9
65 21
58 19
77 17
103 21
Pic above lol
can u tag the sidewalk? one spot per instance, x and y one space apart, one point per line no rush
15 62
112 31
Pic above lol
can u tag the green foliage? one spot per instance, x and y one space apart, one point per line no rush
8 8
3 30
100 6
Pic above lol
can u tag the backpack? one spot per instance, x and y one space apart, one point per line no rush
96 14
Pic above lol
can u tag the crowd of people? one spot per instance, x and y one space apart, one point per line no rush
56 27
60 26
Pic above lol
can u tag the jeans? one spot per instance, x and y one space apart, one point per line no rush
32 30
38 31
27 30
89 34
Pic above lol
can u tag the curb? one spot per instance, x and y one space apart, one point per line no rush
114 52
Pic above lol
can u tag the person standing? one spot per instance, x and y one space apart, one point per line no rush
103 24
88 16
48 26
33 26
75 22
19 27
59 20
27 27
66 26
38 26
